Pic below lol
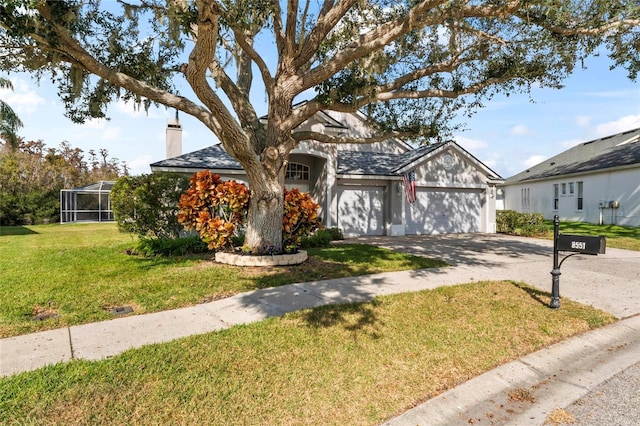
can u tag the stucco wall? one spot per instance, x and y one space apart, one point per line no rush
620 185
457 172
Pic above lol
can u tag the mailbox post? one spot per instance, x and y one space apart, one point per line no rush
555 272
577 244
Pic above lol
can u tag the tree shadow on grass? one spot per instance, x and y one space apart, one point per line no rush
16 230
353 317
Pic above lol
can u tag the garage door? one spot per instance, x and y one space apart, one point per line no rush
360 210
444 212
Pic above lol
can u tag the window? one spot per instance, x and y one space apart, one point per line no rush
571 187
556 196
524 199
580 194
564 188
297 171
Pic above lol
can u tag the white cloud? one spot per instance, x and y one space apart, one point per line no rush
583 121
110 133
22 99
490 163
470 144
140 165
622 124
533 160
521 130
95 123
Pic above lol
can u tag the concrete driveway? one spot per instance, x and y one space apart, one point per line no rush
610 282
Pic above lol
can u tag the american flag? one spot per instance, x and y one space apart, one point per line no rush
409 181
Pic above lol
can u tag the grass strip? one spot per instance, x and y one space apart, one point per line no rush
356 364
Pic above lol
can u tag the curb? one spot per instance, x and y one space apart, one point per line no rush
551 378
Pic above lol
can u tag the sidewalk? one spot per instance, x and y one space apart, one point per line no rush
556 376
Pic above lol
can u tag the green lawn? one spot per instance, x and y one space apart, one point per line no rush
79 272
623 237
355 364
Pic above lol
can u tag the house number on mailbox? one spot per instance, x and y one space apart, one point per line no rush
579 245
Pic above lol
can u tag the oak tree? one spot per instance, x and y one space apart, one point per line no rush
409 65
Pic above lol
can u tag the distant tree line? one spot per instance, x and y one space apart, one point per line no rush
32 175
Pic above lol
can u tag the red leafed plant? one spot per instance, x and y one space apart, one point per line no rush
214 208
300 217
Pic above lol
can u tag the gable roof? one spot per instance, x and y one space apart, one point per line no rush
378 163
619 150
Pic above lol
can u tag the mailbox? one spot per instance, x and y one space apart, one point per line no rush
578 244
583 244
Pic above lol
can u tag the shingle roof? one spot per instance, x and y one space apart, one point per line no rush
211 157
349 162
622 149
378 163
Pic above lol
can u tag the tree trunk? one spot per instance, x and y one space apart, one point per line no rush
266 207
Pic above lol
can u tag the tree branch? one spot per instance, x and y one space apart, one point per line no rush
566 31
247 47
330 15
72 53
418 17
291 29
439 93
277 27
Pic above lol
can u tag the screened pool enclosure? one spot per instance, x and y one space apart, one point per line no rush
89 203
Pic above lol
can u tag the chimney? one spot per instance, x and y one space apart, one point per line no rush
174 137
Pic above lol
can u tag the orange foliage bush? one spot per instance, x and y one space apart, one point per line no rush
300 217
216 209
213 208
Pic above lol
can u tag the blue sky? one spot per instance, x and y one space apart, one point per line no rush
509 135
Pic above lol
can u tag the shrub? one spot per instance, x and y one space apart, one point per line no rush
300 217
322 238
146 205
215 209
336 233
523 224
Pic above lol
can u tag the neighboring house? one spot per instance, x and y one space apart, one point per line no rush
361 189
596 182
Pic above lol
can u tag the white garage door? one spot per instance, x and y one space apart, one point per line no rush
360 210
444 212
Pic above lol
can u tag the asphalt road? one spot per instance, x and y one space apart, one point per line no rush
614 402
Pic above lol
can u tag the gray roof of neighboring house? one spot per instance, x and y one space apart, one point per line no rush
619 150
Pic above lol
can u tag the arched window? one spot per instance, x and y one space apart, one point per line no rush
296 171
